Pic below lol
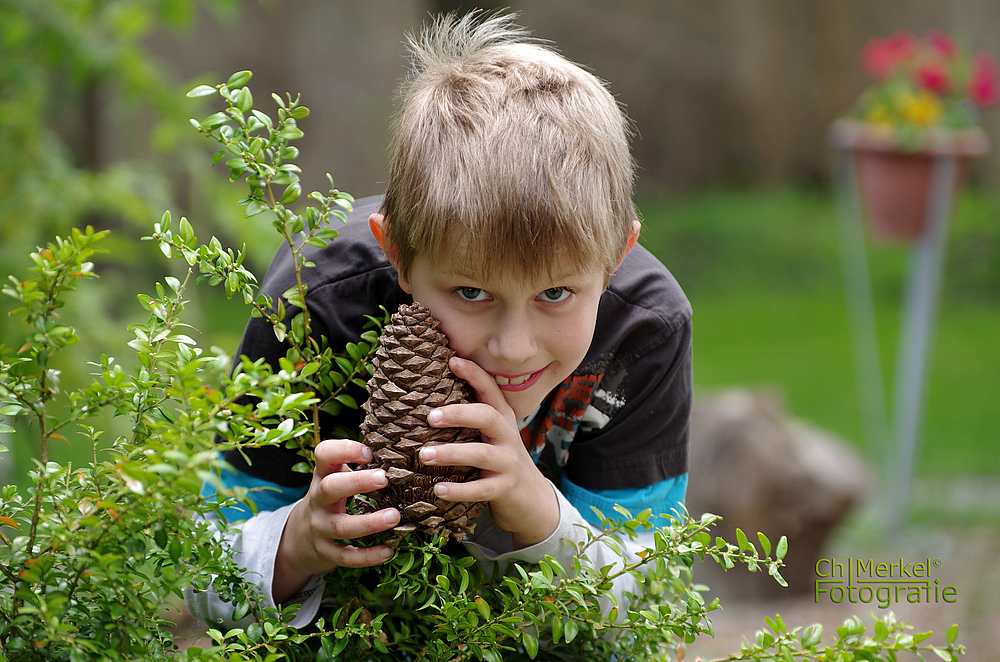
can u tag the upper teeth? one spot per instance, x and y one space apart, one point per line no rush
511 381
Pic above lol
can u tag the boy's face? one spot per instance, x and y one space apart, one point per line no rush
530 333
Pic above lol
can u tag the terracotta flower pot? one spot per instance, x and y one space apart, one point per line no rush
895 183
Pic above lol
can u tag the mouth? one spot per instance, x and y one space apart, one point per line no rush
517 382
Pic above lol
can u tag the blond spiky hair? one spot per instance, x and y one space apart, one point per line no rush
506 146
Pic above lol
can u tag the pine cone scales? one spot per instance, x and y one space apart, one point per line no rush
411 377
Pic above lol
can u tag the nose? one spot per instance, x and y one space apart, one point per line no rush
512 338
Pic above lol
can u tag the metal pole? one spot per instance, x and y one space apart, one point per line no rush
861 309
917 334
916 330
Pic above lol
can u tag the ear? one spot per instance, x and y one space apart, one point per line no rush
377 223
630 244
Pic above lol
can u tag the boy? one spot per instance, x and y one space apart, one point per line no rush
508 213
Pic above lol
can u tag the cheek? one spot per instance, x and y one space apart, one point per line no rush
463 337
576 335
452 324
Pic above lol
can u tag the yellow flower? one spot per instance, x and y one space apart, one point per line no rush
922 109
878 115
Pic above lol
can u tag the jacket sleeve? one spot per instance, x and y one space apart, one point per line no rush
491 544
254 543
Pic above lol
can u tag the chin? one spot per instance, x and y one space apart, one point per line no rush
523 406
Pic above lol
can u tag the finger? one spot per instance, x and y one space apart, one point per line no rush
480 455
339 527
481 382
349 556
339 485
478 415
332 454
484 489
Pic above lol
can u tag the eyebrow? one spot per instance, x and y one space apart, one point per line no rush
456 270
543 283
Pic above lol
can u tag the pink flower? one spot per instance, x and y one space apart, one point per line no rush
934 77
942 43
983 88
881 56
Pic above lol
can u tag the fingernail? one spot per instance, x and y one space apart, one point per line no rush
379 478
390 516
441 490
387 554
366 453
434 417
427 455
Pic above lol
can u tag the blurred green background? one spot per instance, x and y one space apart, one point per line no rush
731 102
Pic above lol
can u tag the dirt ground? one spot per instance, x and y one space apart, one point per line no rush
963 548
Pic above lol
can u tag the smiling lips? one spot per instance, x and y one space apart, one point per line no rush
519 382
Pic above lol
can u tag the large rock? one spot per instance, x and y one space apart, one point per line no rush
762 471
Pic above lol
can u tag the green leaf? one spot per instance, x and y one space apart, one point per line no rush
255 207
241 610
773 571
291 194
407 563
765 544
347 401
344 364
530 643
812 635
483 607
354 351
782 548
202 91
741 540
623 511
943 654
238 79
340 646
244 100
290 133
570 630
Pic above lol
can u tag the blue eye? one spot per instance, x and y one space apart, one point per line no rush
555 294
472 294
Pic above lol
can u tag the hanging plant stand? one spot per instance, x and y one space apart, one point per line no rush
895 182
913 203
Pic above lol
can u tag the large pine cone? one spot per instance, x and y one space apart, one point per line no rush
411 377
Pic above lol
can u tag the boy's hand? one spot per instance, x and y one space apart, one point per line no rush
522 501
310 543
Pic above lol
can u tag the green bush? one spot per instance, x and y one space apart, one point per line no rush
93 131
91 555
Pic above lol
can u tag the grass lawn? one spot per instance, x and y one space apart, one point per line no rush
763 272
